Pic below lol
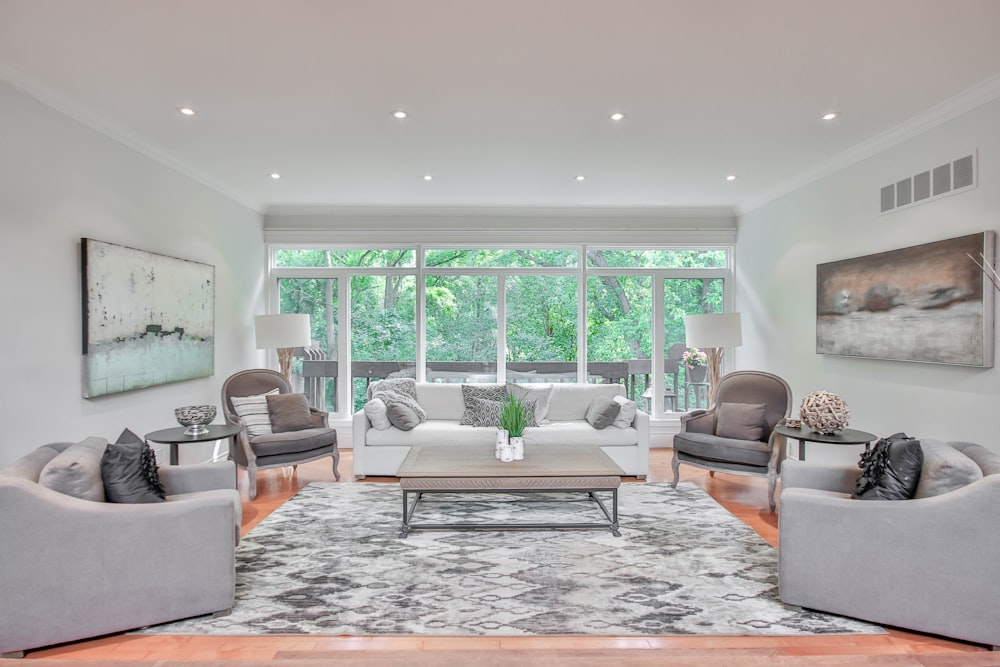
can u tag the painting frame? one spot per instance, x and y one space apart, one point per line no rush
148 318
928 303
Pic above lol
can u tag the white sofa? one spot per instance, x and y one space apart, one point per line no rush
381 452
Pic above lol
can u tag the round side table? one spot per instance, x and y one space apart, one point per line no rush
176 436
847 436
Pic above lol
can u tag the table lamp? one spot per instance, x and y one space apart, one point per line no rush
713 332
283 333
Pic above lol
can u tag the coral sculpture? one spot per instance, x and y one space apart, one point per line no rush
824 412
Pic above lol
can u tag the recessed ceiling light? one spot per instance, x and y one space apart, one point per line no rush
830 116
275 175
187 111
399 114
581 177
617 115
428 177
731 177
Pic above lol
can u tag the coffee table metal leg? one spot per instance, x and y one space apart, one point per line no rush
408 510
612 516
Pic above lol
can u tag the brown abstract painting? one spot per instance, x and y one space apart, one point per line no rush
929 303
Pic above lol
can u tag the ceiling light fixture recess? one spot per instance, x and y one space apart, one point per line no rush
187 111
830 116
581 177
275 175
617 115
400 115
428 177
731 177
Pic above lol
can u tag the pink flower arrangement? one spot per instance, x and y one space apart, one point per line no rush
694 357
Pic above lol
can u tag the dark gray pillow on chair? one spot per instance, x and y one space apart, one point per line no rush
740 421
289 412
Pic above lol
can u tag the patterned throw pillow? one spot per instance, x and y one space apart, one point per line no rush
486 392
484 412
406 386
253 412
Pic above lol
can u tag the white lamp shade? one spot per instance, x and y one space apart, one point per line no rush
277 331
713 330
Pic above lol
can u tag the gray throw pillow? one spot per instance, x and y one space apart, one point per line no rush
486 392
402 416
128 469
540 394
602 411
628 412
740 421
77 470
945 469
890 469
289 412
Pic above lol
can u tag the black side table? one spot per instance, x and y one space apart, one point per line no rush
803 434
176 436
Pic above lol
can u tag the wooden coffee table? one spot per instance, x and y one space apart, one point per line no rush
475 469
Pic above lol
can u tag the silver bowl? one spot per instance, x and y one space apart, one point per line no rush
195 417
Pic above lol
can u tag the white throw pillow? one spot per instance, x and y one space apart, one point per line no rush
377 414
253 412
627 414
541 394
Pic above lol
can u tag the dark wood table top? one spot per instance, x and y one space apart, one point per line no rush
177 435
847 436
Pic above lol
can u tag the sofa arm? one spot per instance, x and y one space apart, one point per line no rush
641 425
178 480
359 434
926 564
799 474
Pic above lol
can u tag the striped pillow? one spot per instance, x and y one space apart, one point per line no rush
253 412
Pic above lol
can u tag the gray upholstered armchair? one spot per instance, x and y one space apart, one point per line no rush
736 433
275 449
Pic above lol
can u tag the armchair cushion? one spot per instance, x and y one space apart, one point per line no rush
252 411
945 469
730 450
76 471
293 442
288 412
742 421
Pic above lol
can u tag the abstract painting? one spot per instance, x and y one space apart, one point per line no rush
148 319
929 303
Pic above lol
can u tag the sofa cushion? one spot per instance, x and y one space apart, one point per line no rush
434 432
30 465
128 469
890 470
987 460
945 469
485 413
489 392
376 411
729 450
579 432
627 414
253 412
742 421
570 401
294 442
402 416
602 411
441 400
288 412
77 470
541 394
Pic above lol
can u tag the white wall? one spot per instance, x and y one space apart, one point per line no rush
60 181
780 243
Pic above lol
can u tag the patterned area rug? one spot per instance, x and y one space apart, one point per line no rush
329 562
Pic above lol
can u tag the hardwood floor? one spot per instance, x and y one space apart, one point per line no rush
743 496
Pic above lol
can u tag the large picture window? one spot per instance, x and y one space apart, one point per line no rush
524 314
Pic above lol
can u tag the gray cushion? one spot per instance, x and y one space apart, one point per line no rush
945 469
987 460
288 412
541 394
128 469
602 411
294 442
77 471
402 416
488 392
714 448
742 421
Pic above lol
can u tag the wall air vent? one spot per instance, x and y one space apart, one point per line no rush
946 179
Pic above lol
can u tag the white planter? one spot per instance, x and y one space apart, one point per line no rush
517 447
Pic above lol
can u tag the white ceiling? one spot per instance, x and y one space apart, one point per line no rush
508 99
